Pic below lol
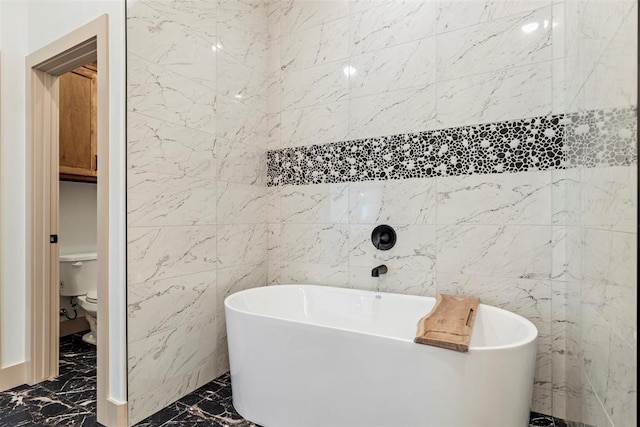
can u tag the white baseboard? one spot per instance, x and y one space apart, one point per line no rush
12 376
117 414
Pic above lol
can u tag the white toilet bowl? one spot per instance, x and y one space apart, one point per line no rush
89 304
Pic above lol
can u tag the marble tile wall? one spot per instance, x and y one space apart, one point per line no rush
601 218
348 70
196 186
357 69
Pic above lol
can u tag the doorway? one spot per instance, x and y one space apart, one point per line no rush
86 45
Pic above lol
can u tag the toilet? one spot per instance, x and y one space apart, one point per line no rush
78 279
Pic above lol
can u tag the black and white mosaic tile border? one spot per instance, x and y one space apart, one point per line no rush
540 143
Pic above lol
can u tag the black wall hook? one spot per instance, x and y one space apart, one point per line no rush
383 237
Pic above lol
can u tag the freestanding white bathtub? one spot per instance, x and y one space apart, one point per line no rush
304 355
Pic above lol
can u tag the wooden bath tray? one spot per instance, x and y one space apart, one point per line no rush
449 324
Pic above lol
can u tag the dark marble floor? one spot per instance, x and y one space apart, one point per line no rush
70 399
67 400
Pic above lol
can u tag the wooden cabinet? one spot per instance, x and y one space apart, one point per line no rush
78 125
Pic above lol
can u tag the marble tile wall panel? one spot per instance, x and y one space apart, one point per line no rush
163 147
456 14
317 45
609 278
511 93
464 52
411 201
164 252
391 24
522 198
160 305
317 204
323 123
197 135
156 199
388 113
163 94
516 251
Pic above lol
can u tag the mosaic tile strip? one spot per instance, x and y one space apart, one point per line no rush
538 143
602 138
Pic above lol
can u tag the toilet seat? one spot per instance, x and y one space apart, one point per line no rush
92 297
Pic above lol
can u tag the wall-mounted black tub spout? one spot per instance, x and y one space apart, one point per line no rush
381 269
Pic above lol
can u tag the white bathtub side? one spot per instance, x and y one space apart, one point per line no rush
294 374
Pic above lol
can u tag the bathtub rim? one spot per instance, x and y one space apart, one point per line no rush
529 338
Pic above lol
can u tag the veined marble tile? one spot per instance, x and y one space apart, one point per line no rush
244 5
318 45
274 212
156 307
274 92
315 243
397 67
239 278
171 44
158 146
162 252
541 400
242 82
513 251
195 16
613 82
145 399
559 404
566 196
315 125
243 34
315 204
313 86
389 113
407 201
237 162
559 262
559 344
557 24
514 198
609 197
274 241
520 39
559 85
414 249
157 92
274 63
398 281
596 354
620 398
310 273
392 23
513 93
274 17
300 15
610 276
241 204
454 14
159 199
170 358
238 121
592 412
273 132
241 244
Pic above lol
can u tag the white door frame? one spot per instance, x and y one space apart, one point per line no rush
86 44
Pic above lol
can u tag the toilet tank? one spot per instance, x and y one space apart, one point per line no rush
78 274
